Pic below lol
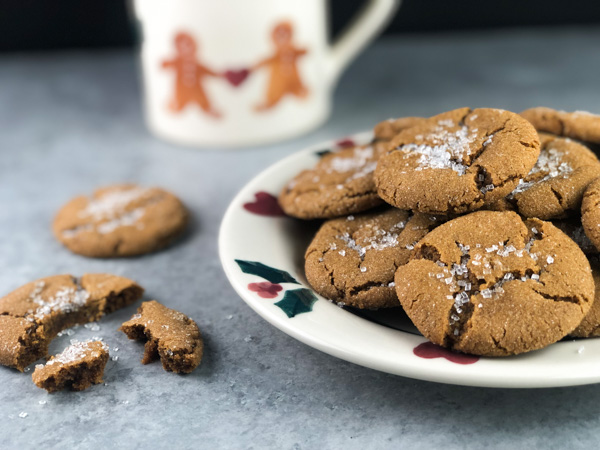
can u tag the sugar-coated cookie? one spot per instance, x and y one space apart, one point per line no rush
32 315
121 220
490 283
457 161
340 183
352 260
555 185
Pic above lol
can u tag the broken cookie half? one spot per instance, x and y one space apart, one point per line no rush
31 316
170 335
78 367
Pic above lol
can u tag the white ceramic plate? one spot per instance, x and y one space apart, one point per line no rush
262 254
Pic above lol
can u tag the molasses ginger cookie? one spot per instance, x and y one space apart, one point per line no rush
590 213
121 220
352 260
170 335
457 161
32 315
342 182
555 185
77 367
580 125
490 283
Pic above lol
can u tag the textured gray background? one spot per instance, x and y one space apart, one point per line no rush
71 122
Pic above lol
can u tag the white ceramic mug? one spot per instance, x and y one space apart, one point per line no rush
244 72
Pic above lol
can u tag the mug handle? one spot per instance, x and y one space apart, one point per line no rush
367 24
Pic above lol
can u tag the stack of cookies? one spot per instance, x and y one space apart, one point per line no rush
482 224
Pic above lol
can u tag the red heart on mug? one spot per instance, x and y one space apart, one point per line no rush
236 77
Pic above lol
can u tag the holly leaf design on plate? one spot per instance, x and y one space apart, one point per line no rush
297 301
322 153
268 273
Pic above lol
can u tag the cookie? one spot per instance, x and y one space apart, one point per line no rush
555 185
122 220
352 260
78 367
169 335
490 283
31 316
387 129
580 125
590 213
341 183
457 161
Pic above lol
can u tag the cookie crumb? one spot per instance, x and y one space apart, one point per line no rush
170 335
77 367
23 414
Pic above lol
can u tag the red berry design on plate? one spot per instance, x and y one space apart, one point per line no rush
428 350
264 205
266 289
346 142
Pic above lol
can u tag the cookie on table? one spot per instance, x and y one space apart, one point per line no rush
32 315
555 185
457 161
490 283
77 367
581 125
169 335
590 213
120 220
387 129
352 260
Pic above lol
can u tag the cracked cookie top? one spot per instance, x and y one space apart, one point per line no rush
490 283
581 125
352 260
121 220
457 161
556 183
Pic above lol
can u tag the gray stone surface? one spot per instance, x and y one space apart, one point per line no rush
71 122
